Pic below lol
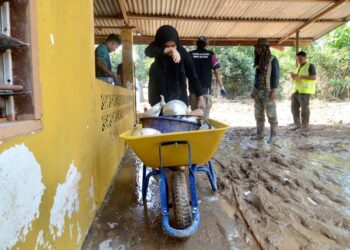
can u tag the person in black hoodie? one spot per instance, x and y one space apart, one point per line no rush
172 65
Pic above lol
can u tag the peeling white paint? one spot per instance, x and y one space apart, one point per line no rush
21 190
93 208
92 189
91 196
66 201
71 230
41 242
79 233
52 39
40 239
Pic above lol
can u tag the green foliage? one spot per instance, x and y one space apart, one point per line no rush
116 58
331 57
236 68
142 63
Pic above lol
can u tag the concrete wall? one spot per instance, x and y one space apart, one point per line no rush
52 181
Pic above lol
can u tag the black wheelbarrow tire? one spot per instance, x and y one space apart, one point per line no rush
181 203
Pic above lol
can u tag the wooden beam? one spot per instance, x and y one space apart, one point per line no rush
216 19
122 6
127 57
322 1
297 46
11 87
313 19
218 41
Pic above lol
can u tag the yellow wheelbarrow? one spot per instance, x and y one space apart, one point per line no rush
172 151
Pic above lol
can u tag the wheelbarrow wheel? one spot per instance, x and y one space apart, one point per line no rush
182 208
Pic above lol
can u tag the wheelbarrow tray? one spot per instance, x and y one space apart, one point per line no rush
203 146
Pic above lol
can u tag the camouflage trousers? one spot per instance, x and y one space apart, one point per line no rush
262 104
194 102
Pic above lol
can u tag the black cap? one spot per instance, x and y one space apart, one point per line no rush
202 39
263 41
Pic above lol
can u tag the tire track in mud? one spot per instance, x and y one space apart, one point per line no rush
283 199
241 212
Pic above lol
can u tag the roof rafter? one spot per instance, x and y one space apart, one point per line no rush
322 1
313 19
122 7
217 19
217 41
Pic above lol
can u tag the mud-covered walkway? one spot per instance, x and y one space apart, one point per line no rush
125 222
292 194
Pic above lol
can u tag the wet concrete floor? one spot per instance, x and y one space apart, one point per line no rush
126 222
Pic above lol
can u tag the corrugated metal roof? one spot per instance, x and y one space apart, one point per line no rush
106 8
222 19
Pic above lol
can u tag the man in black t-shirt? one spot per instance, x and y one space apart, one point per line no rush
205 63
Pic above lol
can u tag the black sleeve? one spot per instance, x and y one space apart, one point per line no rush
312 70
154 50
191 74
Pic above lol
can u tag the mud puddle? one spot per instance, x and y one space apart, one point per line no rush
294 193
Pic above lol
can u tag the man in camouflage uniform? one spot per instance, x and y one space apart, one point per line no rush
265 88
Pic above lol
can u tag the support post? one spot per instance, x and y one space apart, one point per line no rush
127 59
297 47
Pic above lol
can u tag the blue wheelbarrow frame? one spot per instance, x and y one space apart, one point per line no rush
163 187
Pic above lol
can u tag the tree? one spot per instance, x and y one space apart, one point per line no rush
236 68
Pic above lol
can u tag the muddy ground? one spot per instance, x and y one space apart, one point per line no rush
290 194
293 194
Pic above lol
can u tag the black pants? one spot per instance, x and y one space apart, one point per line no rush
301 101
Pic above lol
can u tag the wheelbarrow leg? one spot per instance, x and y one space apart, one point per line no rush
145 180
163 190
212 177
210 173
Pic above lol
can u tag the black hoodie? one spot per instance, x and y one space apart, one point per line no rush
166 77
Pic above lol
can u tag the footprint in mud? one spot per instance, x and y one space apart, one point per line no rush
246 168
325 177
277 159
333 197
343 223
296 163
331 180
298 183
316 174
255 200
